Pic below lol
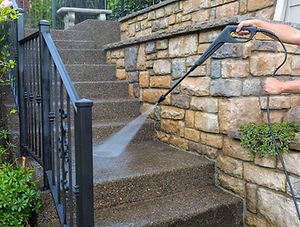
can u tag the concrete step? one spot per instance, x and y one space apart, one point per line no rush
91 72
102 89
91 56
64 34
116 109
73 44
104 129
205 207
147 170
103 32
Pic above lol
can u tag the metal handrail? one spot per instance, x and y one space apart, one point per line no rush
71 91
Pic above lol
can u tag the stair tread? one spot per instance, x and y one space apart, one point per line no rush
148 157
210 203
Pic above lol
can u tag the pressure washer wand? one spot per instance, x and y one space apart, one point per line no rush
224 37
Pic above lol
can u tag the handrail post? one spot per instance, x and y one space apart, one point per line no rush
20 81
84 163
44 26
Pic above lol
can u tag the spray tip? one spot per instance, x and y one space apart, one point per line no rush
162 98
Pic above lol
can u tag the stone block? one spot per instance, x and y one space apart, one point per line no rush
235 68
292 162
263 64
251 197
254 5
233 184
133 77
226 87
124 26
178 68
161 67
131 58
179 142
191 6
198 86
172 19
278 209
275 116
150 47
204 104
296 65
163 54
233 149
174 113
252 87
201 16
295 181
212 140
162 44
293 115
199 71
131 30
181 101
255 221
159 13
141 58
120 63
203 149
121 74
145 107
163 137
161 81
172 127
189 118
227 10
295 101
153 95
264 177
269 161
192 134
208 37
120 53
183 46
207 122
228 50
276 102
215 69
130 90
163 23
144 79
230 166
238 111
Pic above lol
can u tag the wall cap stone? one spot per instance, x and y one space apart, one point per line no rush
146 10
194 28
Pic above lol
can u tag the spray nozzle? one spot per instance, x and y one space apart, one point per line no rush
162 98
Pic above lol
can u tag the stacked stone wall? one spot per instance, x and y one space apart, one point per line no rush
223 93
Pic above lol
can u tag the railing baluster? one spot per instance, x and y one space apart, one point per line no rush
34 63
69 150
45 60
84 162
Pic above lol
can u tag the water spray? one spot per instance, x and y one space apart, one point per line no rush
227 36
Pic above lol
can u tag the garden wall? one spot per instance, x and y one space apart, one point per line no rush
160 44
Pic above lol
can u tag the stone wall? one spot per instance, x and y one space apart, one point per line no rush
223 93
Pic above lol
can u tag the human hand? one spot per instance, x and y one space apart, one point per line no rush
273 86
246 23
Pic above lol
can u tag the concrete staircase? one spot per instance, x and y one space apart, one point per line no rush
151 183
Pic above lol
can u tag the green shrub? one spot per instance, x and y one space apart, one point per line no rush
19 198
259 140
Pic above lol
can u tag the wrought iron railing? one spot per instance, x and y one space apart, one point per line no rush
55 125
36 10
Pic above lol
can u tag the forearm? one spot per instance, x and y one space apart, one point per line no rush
285 32
292 86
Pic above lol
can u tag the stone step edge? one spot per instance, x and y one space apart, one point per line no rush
165 201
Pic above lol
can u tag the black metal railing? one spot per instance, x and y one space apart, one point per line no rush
55 125
36 10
